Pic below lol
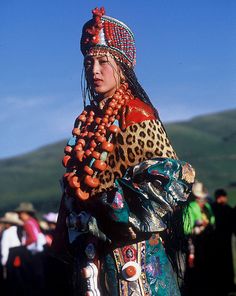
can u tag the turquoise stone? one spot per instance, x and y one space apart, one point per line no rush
104 155
72 141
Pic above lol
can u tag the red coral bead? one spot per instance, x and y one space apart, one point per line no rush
93 144
90 119
80 155
88 152
96 154
95 39
66 160
90 134
114 129
82 142
105 119
98 120
91 182
107 146
74 182
101 139
82 195
112 119
78 147
68 149
109 112
76 131
99 165
88 170
82 118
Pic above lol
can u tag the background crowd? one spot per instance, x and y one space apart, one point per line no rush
29 267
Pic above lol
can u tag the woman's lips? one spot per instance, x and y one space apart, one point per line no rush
97 82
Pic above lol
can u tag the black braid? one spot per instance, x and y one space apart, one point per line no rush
135 86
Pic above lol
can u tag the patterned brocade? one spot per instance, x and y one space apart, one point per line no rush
157 276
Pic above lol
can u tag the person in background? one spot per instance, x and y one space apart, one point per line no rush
34 241
122 176
225 224
34 238
11 238
199 227
51 220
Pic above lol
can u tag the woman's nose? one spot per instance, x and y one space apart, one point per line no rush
96 68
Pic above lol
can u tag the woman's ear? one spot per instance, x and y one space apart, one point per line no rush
122 76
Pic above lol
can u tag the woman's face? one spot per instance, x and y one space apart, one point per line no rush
102 74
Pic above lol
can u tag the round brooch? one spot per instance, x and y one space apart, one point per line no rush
131 271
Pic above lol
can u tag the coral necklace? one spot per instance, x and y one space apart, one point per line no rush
86 152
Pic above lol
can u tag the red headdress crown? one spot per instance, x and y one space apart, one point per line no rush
104 33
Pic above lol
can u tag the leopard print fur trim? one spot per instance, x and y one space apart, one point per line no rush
139 142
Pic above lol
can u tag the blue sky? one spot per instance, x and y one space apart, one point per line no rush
186 61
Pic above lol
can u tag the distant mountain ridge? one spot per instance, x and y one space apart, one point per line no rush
207 142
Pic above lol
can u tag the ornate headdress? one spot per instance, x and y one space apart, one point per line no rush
104 33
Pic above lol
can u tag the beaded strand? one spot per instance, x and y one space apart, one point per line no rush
86 152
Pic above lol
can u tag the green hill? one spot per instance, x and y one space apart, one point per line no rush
207 142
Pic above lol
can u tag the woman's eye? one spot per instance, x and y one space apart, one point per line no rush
103 61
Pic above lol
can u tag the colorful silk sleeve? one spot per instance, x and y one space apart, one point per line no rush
148 191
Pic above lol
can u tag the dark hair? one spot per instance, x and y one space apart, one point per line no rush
135 86
220 192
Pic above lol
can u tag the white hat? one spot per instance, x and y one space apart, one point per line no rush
50 217
12 218
199 190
